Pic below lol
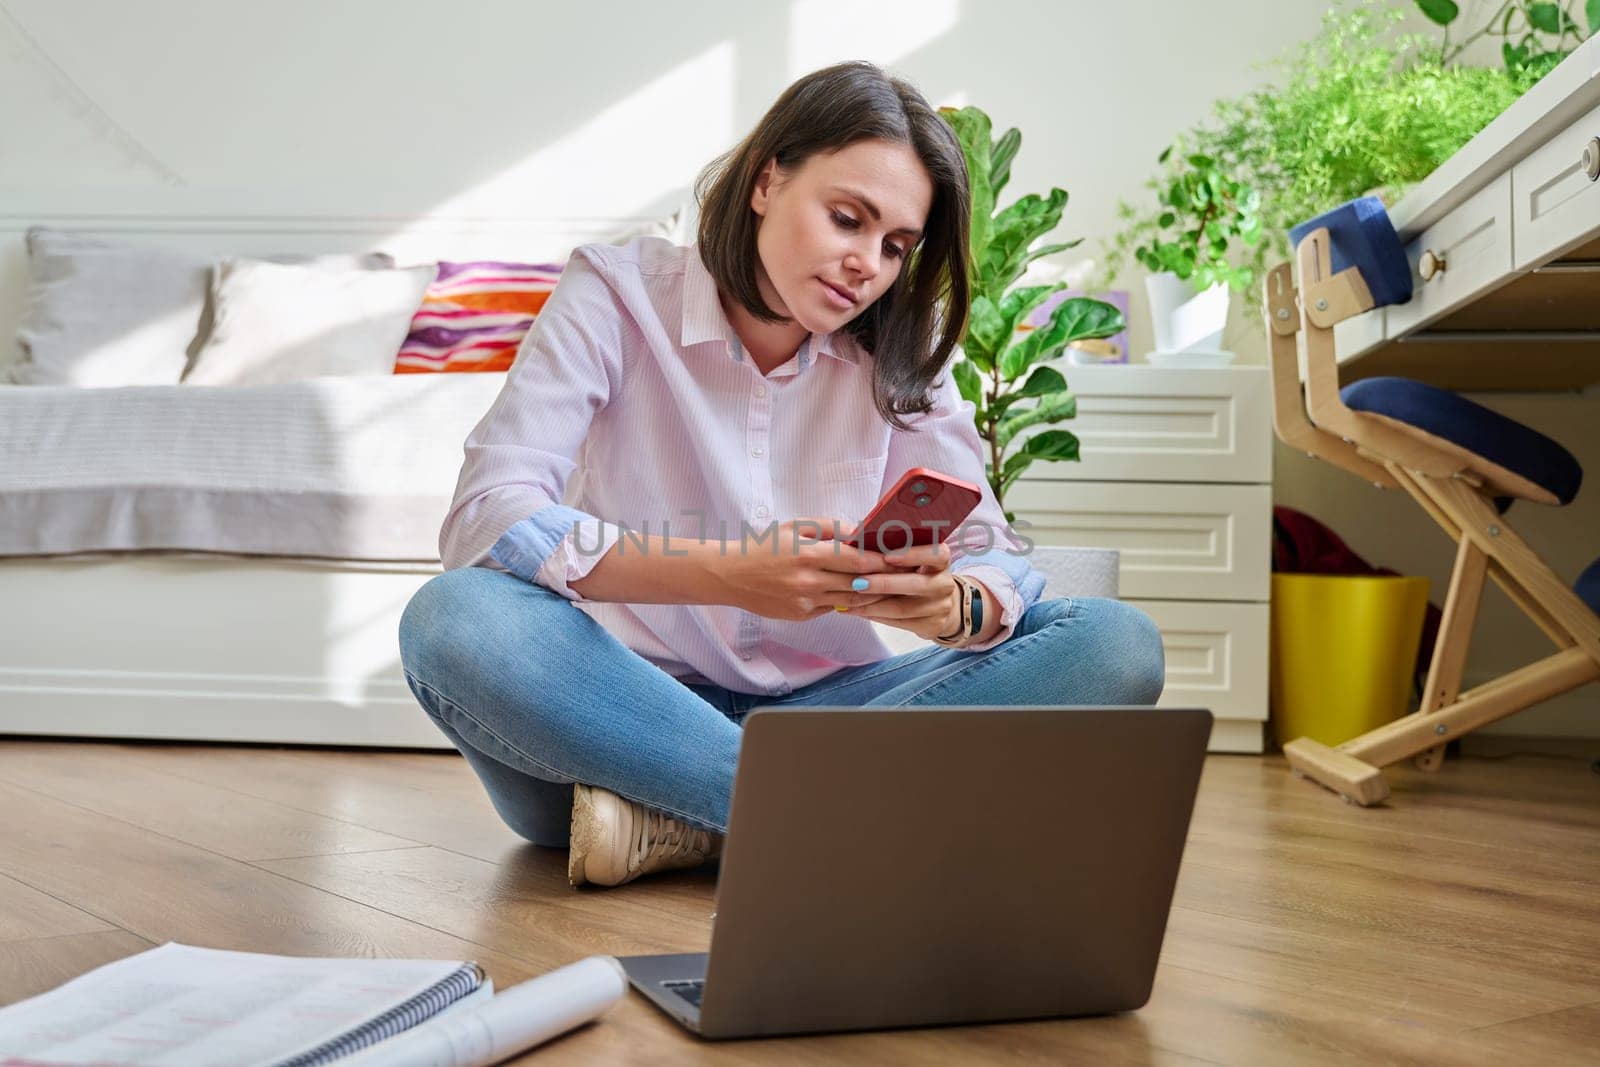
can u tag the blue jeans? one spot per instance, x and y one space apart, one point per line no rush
537 695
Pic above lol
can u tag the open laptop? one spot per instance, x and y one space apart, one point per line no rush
919 866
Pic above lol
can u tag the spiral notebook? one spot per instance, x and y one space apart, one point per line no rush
182 1006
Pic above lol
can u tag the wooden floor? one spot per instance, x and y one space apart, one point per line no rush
1461 923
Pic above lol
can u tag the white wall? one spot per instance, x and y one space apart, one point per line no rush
595 110
548 110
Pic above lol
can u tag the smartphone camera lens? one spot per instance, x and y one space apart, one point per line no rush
919 487
922 501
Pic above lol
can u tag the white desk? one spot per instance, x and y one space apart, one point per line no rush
1514 216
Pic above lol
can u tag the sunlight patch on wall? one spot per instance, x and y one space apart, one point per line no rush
823 32
665 131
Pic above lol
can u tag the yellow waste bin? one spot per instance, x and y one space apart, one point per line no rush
1343 651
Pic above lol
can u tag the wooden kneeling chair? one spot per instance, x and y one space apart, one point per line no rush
1456 459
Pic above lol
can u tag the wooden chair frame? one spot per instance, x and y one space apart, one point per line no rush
1453 486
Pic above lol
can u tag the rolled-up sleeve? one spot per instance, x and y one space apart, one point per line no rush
507 511
945 439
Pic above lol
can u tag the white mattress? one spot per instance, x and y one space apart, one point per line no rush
358 468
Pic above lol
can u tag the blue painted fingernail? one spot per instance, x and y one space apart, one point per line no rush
859 585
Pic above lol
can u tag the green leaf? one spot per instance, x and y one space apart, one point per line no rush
1014 466
1017 305
970 384
1591 15
987 333
1545 17
1543 63
1077 319
1054 445
1015 228
1042 382
1004 151
1443 12
972 129
1052 408
1050 250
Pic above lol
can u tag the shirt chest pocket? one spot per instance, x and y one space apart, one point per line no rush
846 489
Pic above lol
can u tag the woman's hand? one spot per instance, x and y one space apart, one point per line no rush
918 593
806 575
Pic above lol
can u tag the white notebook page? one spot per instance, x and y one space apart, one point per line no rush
181 1006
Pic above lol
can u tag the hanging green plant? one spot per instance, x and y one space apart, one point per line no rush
1360 108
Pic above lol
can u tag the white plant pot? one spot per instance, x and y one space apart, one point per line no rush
1182 319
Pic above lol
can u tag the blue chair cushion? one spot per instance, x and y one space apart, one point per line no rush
1588 586
1474 427
1362 236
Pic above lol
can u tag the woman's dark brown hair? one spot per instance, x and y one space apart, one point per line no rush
913 327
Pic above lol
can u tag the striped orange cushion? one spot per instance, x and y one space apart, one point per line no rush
475 315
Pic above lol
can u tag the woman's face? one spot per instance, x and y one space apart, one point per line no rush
843 223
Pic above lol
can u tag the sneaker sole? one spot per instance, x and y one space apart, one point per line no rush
582 838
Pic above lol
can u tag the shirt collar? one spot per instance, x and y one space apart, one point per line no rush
704 319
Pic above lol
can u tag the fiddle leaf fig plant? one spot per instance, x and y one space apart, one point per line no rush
1002 372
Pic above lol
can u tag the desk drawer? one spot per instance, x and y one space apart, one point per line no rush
1167 424
1178 541
1216 656
1472 244
1556 204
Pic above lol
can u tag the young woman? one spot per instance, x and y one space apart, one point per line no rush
716 397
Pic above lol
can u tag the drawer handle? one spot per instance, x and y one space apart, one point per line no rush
1591 159
1432 262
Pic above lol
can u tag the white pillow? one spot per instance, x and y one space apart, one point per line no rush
103 313
678 227
277 323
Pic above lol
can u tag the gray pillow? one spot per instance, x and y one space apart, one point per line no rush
104 313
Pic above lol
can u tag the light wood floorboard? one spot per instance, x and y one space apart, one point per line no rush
1458 924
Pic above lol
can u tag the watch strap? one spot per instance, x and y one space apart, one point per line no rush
964 629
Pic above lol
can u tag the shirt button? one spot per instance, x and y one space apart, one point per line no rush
761 390
758 451
761 512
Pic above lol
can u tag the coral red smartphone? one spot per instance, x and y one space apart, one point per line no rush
924 507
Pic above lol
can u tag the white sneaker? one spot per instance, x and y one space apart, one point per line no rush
616 840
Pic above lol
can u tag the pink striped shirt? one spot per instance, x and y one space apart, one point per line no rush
633 379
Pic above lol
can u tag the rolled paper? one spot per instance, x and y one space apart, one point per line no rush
512 1022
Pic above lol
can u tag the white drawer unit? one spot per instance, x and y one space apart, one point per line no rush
1158 424
1177 476
1216 658
1462 255
1176 539
1556 193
